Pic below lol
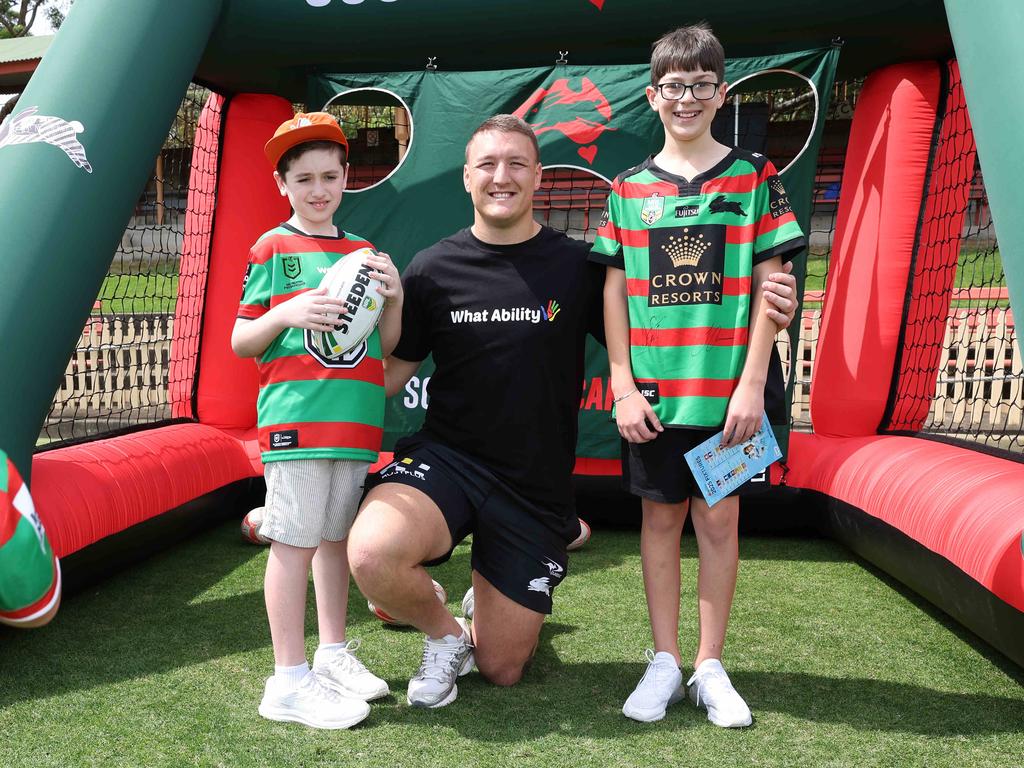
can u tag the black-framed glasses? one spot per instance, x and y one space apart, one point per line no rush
675 91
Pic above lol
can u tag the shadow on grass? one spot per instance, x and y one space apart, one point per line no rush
198 601
585 700
203 601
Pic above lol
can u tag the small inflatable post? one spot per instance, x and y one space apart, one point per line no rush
74 156
988 49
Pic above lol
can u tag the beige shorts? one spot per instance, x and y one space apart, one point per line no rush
309 500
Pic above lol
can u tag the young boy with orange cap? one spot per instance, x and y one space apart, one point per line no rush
320 420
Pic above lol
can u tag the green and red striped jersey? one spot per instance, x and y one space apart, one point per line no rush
688 248
30 581
309 406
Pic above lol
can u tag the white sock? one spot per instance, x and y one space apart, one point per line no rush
291 676
451 639
330 649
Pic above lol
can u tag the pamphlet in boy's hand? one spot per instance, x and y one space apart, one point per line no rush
720 471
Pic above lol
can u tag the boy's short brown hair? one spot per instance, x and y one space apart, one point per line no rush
293 154
505 124
688 49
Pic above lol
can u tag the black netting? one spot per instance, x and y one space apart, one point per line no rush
960 374
789 114
135 361
571 200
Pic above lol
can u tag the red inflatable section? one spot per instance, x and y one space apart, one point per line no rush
961 504
879 208
86 492
248 204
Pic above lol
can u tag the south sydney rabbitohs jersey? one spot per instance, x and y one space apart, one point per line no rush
30 586
310 407
688 248
506 325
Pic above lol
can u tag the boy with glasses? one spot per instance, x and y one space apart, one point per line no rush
689 238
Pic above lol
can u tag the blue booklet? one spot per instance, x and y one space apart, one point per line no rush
720 471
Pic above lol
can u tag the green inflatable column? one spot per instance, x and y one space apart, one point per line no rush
987 38
74 156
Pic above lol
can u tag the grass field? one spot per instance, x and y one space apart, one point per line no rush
975 269
135 294
164 664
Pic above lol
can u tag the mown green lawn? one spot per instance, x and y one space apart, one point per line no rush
975 269
164 664
138 294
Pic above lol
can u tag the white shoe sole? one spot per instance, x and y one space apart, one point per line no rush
467 667
727 724
289 716
652 715
452 694
721 723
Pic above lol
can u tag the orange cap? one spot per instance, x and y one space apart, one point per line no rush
305 126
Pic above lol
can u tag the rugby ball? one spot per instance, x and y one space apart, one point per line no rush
251 527
442 595
582 539
349 280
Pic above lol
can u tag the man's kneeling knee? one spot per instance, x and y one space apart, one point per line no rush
503 672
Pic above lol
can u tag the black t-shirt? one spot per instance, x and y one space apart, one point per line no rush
506 325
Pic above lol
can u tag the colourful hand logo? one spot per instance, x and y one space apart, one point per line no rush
552 310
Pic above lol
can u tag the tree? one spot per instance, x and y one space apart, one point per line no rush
16 20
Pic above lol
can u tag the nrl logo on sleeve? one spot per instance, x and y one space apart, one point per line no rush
778 200
654 207
292 267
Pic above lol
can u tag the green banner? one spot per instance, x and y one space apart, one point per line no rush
595 118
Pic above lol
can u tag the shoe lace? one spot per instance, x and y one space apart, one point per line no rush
346 660
441 660
716 685
318 689
653 673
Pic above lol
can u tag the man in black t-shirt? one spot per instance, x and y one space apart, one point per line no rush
504 306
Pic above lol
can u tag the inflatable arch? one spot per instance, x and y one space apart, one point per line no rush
77 150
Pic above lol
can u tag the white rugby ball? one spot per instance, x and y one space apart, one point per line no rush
582 539
349 280
251 527
442 595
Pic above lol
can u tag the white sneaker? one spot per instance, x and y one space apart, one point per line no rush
444 661
710 689
467 604
343 672
311 703
660 687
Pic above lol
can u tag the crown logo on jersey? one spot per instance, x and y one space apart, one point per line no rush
776 184
685 250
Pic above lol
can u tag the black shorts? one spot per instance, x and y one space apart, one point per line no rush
657 470
514 548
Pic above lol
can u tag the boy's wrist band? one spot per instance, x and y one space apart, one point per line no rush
623 397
